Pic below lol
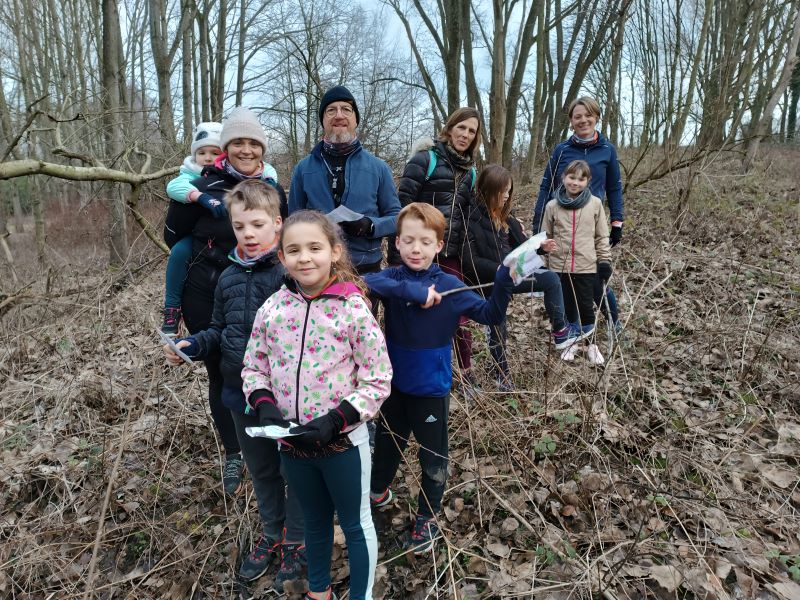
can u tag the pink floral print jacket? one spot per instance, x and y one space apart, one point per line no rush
314 353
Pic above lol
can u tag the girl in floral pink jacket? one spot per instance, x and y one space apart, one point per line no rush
317 362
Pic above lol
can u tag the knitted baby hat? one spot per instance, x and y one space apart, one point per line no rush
206 134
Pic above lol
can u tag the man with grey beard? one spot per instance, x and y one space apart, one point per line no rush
340 172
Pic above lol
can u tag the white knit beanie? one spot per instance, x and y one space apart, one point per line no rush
242 123
206 134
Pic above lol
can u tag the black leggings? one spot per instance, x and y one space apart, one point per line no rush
197 305
578 290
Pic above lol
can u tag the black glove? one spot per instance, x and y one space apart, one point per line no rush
320 431
616 235
216 207
363 227
266 409
604 270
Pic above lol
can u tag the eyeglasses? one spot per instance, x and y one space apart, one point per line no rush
346 110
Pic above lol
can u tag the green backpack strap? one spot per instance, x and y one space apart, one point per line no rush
431 164
473 172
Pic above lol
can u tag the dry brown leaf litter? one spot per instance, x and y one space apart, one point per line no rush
671 473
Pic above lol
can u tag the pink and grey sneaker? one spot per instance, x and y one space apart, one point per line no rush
172 320
423 536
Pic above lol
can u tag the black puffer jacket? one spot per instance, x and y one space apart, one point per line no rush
486 246
239 294
448 189
212 239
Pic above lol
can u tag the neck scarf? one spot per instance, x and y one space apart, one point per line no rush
462 161
590 141
575 203
224 164
240 257
336 149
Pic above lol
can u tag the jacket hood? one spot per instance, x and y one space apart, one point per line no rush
190 166
337 289
420 145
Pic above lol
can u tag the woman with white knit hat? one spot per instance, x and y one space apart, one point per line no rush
243 144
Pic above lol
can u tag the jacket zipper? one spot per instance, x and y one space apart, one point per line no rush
299 364
572 269
247 293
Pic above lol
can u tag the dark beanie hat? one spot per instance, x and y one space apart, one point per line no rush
338 94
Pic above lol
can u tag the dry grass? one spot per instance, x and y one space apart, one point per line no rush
672 473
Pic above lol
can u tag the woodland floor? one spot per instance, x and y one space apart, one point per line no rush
672 473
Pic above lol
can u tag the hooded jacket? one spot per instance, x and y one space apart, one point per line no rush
212 238
312 354
368 190
447 188
420 339
240 292
486 246
582 237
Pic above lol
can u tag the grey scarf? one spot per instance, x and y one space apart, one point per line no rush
575 203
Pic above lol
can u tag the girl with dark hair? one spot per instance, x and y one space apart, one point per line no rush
492 232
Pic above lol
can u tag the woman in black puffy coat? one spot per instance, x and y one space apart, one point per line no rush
442 172
492 232
243 143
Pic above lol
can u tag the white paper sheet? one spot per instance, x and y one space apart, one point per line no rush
523 260
171 343
274 432
342 214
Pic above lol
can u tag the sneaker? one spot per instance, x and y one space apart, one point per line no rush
424 535
504 384
569 353
172 320
381 499
586 331
258 561
232 474
593 352
470 388
330 596
565 337
293 565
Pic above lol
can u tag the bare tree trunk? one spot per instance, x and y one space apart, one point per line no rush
611 121
240 53
762 127
218 86
118 234
186 81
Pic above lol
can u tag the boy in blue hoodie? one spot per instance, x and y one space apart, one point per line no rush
420 325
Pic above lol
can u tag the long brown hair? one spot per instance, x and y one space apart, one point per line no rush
343 267
492 182
462 114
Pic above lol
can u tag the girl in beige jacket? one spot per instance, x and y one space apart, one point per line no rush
576 222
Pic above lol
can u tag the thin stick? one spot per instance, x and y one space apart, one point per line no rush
99 535
476 287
